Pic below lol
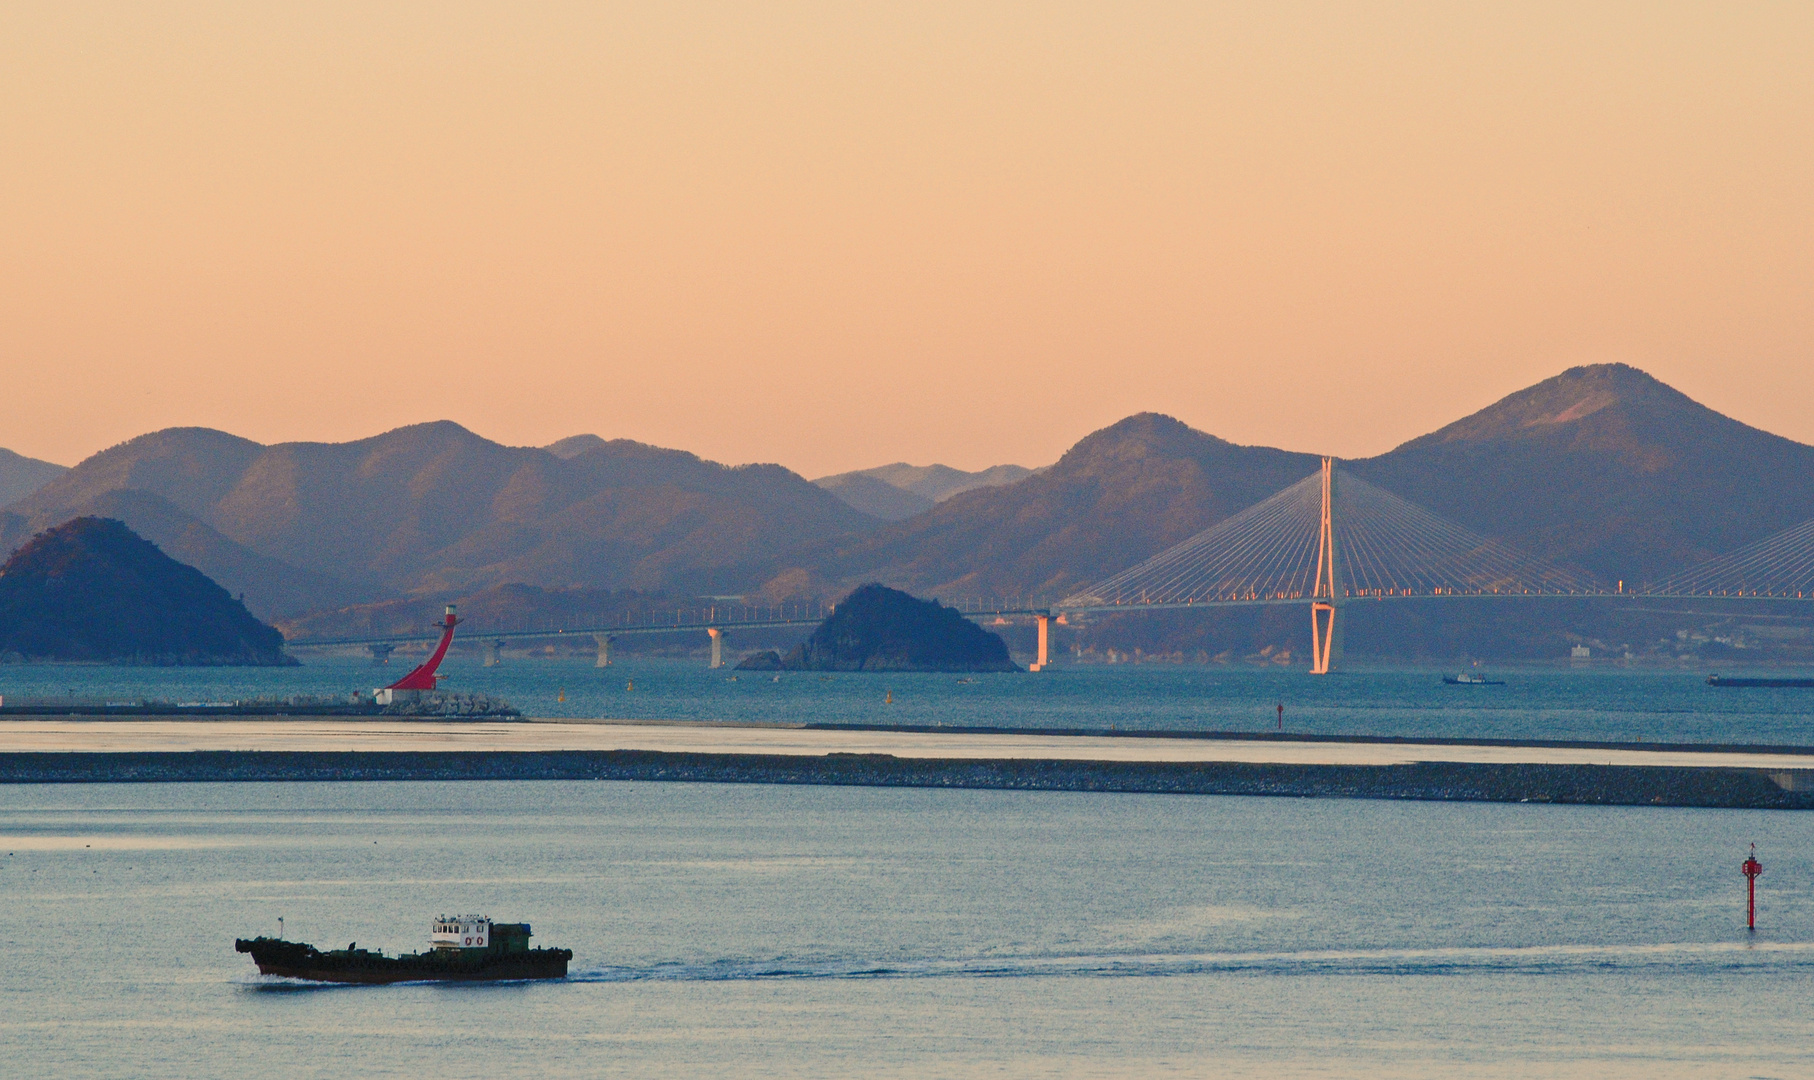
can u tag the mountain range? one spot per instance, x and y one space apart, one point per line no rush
1119 495
898 491
20 475
432 508
1608 469
1600 467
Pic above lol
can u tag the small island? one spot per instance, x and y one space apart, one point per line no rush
876 628
92 590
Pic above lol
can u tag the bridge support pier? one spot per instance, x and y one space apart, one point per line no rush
717 646
1325 638
1042 661
381 654
1322 637
494 653
604 649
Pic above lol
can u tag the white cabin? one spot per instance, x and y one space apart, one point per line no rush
461 932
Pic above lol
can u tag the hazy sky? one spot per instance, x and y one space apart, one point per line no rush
837 235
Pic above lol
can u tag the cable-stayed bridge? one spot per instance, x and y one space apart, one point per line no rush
1275 551
1778 567
1330 540
1333 539
714 621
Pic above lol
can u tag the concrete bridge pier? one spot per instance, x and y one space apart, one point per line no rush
494 653
604 649
717 646
1042 661
381 654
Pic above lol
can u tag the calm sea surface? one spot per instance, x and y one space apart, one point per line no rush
1537 702
751 930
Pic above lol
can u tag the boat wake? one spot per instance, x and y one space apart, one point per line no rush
1535 960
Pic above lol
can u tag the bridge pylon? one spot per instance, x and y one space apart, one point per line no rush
1325 599
1043 660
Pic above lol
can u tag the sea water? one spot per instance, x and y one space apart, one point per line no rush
757 930
754 930
1598 702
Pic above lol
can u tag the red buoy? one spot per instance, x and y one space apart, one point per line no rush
1751 868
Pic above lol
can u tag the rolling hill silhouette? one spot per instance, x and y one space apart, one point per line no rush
1116 497
1607 468
21 475
899 491
1601 467
433 507
93 590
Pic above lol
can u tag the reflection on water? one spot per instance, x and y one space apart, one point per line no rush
788 931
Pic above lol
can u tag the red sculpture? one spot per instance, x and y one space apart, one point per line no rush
423 677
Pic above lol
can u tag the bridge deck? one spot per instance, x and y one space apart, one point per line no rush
470 635
385 735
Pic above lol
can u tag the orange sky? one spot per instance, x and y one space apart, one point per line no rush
837 235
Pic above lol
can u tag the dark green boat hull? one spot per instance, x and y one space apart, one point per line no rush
297 960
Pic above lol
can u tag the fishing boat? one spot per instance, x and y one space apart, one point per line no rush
1468 678
462 948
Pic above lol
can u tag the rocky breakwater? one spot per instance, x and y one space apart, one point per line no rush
1437 781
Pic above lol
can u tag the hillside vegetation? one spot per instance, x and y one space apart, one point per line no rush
93 590
876 628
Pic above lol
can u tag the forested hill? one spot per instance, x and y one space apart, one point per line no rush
93 590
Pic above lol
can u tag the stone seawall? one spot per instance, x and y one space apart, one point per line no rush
1613 785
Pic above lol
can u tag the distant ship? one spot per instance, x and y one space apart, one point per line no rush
1721 680
1470 679
463 948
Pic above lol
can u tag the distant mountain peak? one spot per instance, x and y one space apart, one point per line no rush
1142 435
1608 394
426 433
574 445
899 490
1608 468
875 497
